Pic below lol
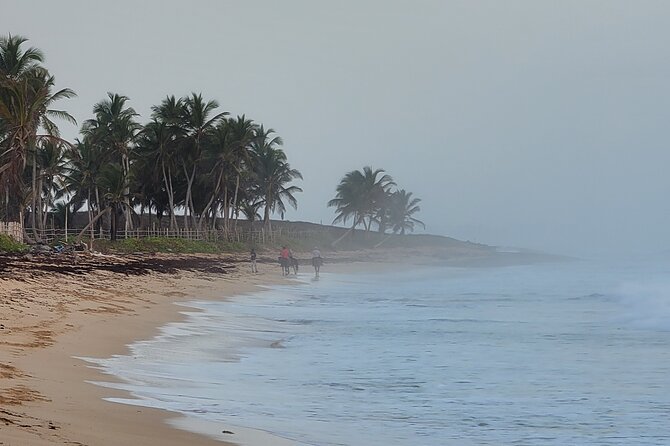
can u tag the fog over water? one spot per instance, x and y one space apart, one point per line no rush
518 123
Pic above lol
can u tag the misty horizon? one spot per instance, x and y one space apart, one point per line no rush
520 124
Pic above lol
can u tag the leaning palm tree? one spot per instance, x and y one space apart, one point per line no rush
272 174
349 200
401 209
360 195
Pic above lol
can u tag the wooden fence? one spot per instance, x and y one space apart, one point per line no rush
13 229
241 236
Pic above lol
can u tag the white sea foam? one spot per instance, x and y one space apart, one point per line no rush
646 304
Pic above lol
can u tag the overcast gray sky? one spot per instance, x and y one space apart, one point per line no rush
539 124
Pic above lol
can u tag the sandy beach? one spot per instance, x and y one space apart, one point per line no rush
56 309
50 316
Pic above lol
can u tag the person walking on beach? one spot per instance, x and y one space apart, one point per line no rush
284 260
317 261
254 268
292 262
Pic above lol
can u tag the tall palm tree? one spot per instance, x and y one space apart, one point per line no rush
401 209
199 123
159 143
115 129
51 160
272 174
167 135
243 133
26 97
228 154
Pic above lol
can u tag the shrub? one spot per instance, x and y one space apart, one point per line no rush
8 244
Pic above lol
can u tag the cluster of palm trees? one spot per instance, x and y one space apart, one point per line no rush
192 164
367 197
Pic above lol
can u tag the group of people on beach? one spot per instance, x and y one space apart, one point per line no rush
287 261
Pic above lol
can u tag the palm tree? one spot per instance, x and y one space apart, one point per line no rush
198 123
113 184
14 62
401 209
158 143
167 135
81 176
51 160
250 210
360 196
218 160
26 97
243 132
272 173
228 153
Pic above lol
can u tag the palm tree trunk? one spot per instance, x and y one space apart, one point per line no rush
266 216
189 190
27 238
91 223
33 207
170 192
237 188
47 203
342 237
205 211
128 217
388 236
114 222
226 208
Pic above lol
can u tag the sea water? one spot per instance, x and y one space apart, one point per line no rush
574 353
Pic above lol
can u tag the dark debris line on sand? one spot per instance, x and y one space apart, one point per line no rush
133 265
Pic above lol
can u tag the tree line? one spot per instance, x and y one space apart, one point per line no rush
192 164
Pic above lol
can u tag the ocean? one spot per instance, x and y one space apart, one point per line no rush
572 353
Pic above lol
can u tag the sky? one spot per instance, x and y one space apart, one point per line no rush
534 124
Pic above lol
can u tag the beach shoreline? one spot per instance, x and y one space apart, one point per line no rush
51 319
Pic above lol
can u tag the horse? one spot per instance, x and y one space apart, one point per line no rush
293 263
285 264
316 263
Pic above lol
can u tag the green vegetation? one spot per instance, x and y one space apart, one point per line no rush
191 157
9 245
